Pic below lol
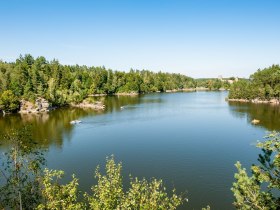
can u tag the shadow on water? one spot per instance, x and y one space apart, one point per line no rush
53 128
268 114
47 128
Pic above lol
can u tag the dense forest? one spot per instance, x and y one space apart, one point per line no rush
27 78
263 85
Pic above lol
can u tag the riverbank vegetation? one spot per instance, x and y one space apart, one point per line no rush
29 78
263 85
260 190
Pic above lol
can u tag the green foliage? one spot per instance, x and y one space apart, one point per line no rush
142 194
108 193
8 101
247 192
258 190
263 85
149 195
29 78
240 90
24 185
58 196
212 84
207 208
20 171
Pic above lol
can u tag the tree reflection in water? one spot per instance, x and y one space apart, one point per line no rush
54 127
268 114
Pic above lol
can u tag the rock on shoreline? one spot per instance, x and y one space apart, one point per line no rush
85 104
256 101
41 105
127 94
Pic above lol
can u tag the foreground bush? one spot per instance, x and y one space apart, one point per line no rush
24 184
8 101
261 189
108 193
21 172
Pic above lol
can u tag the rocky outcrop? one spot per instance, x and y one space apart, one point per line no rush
127 94
237 100
41 105
256 101
92 105
97 95
172 91
201 89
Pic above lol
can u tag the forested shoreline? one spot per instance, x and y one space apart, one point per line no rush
29 78
26 183
262 87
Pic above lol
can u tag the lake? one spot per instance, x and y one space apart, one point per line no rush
190 140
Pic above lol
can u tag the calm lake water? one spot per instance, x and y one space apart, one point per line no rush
190 140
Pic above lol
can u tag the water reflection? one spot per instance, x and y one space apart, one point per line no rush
46 128
189 140
268 114
53 128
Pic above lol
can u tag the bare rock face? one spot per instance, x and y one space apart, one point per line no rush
41 105
274 101
257 101
95 105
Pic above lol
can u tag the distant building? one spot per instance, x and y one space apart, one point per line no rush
230 81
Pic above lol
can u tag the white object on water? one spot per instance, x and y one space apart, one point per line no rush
122 107
255 121
75 121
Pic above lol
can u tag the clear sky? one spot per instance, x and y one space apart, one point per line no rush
199 38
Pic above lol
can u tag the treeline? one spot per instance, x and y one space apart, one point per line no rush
263 85
213 83
27 78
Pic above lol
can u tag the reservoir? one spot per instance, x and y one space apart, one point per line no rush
190 140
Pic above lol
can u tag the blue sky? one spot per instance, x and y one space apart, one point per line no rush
199 38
